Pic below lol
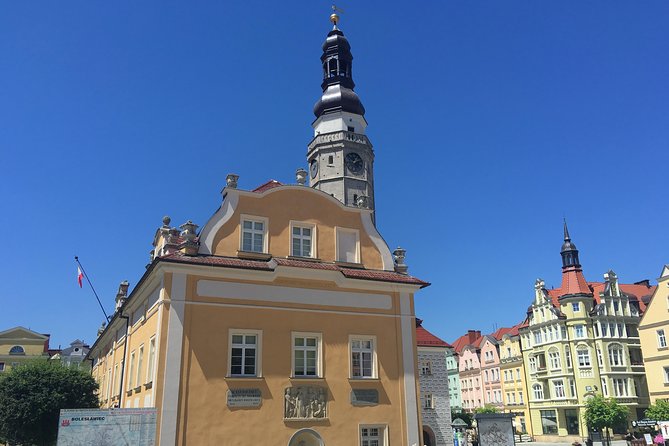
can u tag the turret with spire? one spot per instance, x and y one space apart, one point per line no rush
573 281
569 252
340 156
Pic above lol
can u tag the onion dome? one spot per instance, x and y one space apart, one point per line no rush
338 85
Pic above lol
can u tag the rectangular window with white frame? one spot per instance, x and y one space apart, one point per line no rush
661 339
244 358
374 435
620 387
131 372
303 237
558 389
151 365
140 360
428 401
348 245
426 368
579 331
666 375
307 361
253 234
363 357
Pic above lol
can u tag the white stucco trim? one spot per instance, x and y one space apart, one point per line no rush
381 245
158 335
292 309
410 396
170 405
333 276
302 296
215 223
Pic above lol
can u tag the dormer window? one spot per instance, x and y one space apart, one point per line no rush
254 234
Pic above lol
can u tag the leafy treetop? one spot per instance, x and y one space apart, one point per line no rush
32 395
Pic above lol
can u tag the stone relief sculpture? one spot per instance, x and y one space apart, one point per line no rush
305 402
494 434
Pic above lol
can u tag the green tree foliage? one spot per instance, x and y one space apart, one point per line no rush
32 395
464 416
658 411
602 413
486 409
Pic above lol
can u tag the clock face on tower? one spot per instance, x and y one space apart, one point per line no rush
354 163
313 168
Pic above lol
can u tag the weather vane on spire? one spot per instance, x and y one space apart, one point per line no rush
334 17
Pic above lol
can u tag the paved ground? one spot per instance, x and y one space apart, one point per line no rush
613 443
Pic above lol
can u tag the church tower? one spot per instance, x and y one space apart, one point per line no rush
340 156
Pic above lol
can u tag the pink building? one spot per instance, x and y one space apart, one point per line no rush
490 374
468 349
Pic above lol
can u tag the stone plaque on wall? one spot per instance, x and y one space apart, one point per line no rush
364 397
305 403
244 398
495 429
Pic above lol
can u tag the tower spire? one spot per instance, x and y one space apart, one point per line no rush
569 252
340 156
337 85
566 231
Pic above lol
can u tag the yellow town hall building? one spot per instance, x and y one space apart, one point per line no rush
286 320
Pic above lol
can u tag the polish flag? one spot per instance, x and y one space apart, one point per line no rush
80 277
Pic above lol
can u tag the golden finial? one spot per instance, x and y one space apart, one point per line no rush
334 17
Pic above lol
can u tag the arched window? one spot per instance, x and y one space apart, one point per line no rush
583 355
17 350
616 355
306 437
554 359
538 390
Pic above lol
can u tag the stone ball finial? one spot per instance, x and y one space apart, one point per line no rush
166 220
301 176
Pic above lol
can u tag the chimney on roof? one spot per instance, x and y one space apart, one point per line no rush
644 282
472 336
122 294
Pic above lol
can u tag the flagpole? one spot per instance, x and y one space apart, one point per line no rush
76 259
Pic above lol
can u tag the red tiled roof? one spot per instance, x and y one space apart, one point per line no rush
231 262
465 340
426 339
270 265
635 291
501 332
266 186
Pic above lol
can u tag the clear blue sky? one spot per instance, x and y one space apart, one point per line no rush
490 120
